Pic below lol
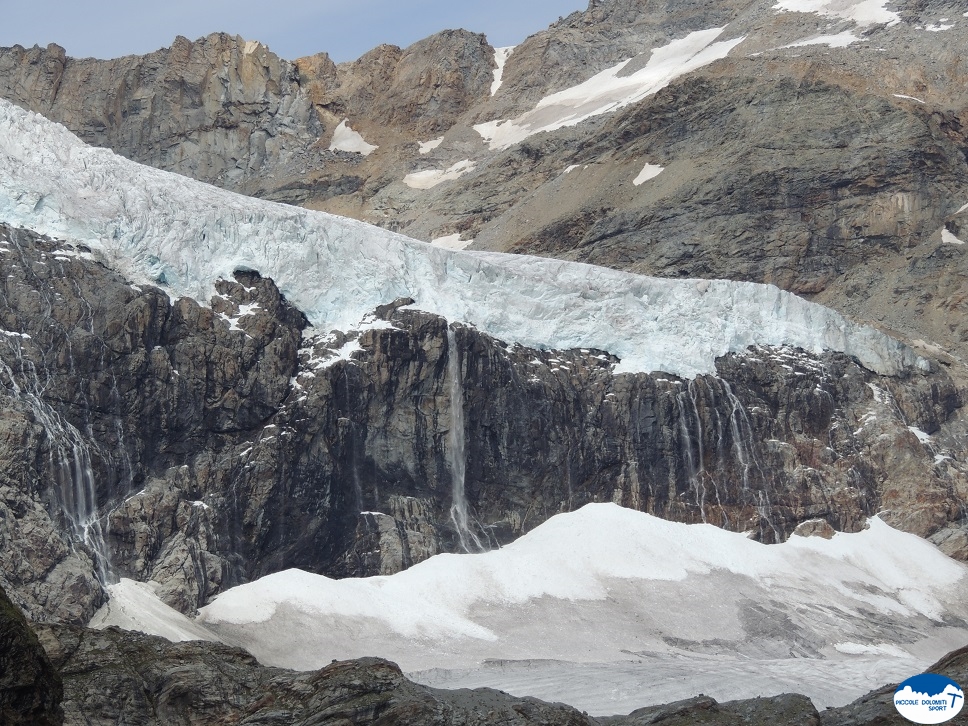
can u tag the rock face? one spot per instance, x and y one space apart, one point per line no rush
787 708
215 109
201 447
30 688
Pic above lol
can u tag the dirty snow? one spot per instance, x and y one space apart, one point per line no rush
610 609
430 178
346 139
950 239
427 146
840 40
136 606
451 242
862 12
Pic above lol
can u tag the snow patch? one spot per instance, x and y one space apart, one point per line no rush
136 606
160 228
427 146
862 12
451 242
923 437
649 171
840 40
346 139
609 91
949 239
938 27
909 98
430 178
501 56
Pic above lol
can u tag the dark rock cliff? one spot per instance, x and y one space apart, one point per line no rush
201 447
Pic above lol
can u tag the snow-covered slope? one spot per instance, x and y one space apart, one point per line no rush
611 89
159 226
606 595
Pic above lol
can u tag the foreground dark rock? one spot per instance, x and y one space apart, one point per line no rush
116 677
200 448
30 687
790 709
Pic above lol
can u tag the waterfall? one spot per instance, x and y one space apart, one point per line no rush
456 457
69 461
694 469
744 445
737 421
354 461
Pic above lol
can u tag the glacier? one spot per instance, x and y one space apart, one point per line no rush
607 608
162 228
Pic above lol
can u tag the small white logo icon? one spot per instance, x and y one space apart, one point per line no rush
929 698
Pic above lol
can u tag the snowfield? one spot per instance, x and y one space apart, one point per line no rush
608 609
861 12
158 227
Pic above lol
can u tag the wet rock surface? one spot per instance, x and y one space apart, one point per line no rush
202 447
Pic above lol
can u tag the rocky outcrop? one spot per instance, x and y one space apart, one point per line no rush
113 677
201 447
30 688
788 708
219 109
420 91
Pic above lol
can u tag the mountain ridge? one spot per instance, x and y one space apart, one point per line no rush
171 414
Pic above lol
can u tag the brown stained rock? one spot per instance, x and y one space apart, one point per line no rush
215 109
815 528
